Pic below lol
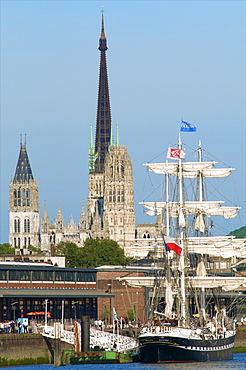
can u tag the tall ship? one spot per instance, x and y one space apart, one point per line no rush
191 309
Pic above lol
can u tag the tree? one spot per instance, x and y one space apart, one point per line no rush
71 252
96 252
239 233
6 248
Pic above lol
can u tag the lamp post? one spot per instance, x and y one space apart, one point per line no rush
62 318
110 303
46 312
13 308
75 309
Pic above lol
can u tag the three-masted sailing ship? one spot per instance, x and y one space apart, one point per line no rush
180 328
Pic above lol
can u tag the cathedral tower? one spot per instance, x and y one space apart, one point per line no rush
111 197
24 205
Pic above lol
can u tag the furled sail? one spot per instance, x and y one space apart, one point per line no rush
189 169
206 282
208 208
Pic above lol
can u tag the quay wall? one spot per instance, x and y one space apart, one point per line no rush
28 349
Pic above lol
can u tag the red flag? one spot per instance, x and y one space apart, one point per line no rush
175 153
171 245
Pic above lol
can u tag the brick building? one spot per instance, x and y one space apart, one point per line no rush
126 299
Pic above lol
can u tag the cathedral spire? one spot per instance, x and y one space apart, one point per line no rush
23 172
103 122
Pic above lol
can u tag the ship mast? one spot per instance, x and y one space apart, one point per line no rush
181 225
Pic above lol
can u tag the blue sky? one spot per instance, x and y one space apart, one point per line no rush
167 60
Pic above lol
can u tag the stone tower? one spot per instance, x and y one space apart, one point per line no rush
110 194
24 205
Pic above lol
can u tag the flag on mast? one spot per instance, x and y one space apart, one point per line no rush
171 245
173 153
187 127
115 315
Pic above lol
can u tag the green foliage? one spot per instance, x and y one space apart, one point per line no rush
34 249
106 316
71 252
130 314
239 233
96 252
6 248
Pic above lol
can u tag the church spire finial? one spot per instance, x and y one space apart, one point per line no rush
102 31
102 40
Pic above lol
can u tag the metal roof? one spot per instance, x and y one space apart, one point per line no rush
53 293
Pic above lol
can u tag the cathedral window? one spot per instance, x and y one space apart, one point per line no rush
26 225
146 235
15 243
15 198
25 243
118 198
19 242
29 241
17 225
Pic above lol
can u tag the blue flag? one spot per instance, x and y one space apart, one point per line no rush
187 127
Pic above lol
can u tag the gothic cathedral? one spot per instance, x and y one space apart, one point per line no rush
110 207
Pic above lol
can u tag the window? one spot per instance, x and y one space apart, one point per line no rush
3 274
14 275
26 225
223 265
17 225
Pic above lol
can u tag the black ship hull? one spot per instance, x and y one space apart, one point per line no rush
159 349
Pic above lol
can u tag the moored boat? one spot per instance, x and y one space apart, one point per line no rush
188 319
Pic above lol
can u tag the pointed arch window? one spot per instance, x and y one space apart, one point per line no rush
17 225
26 197
26 225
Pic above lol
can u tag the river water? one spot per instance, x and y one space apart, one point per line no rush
238 363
